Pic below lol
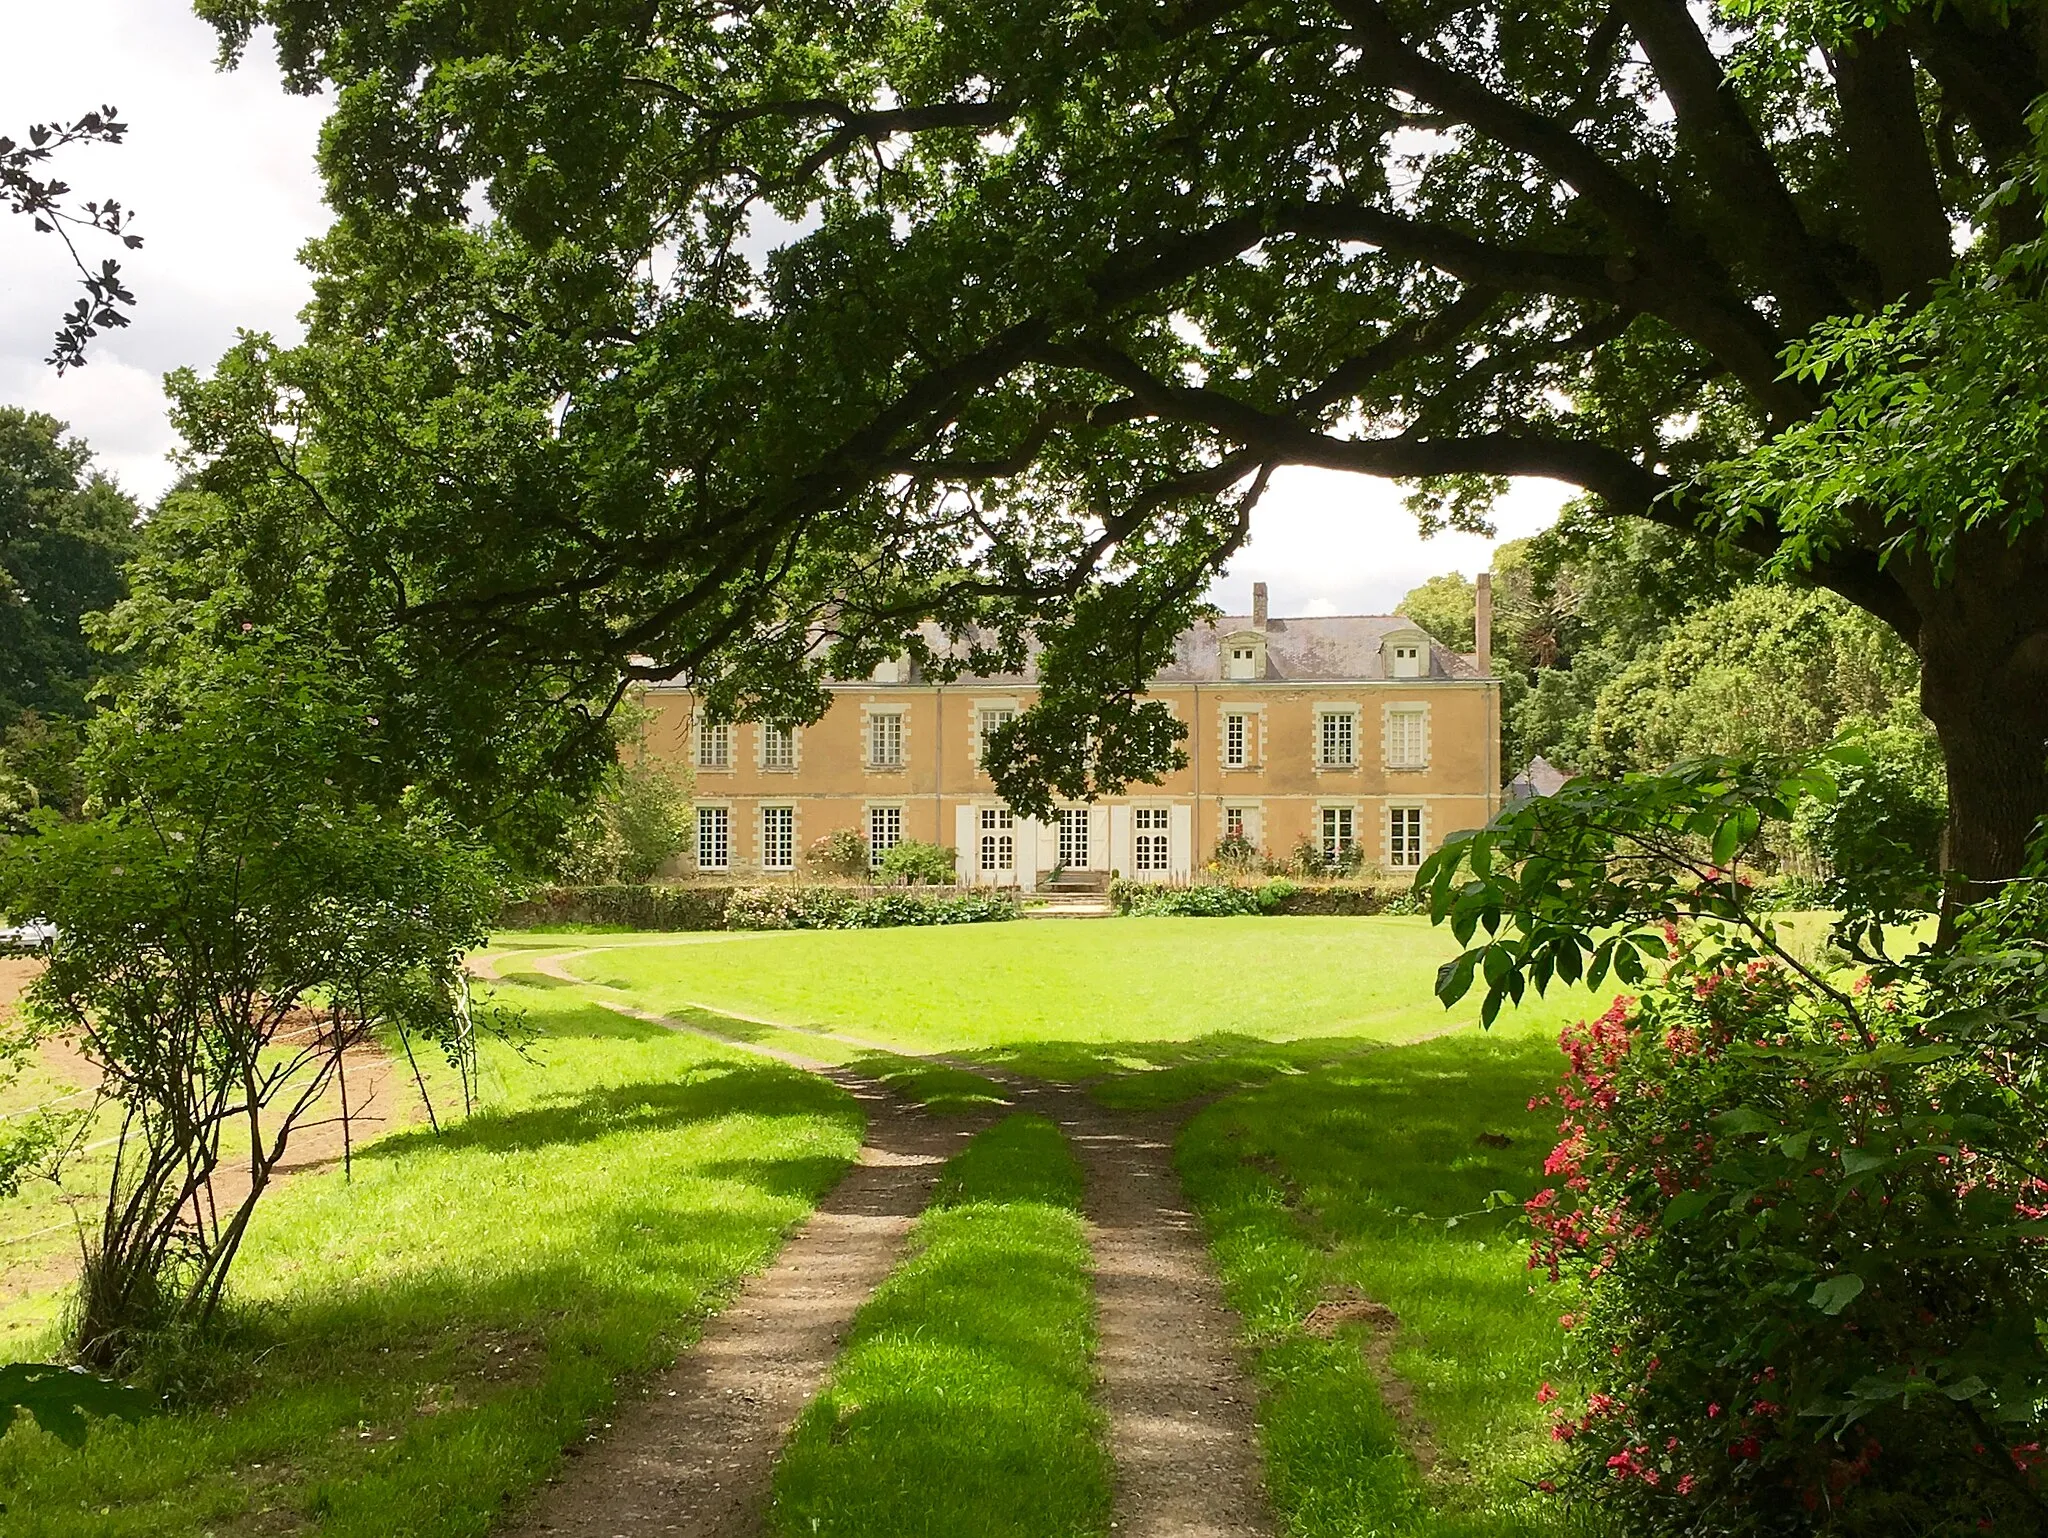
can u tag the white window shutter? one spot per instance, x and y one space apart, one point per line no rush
1180 827
1029 832
1098 838
1120 839
966 847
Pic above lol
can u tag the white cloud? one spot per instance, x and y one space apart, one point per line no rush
219 169
1325 542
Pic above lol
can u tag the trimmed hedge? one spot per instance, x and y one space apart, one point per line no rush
1218 899
621 907
825 907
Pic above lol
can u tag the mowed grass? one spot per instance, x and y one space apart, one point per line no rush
411 1351
1338 1185
1128 983
961 1404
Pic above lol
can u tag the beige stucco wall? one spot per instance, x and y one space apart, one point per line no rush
832 786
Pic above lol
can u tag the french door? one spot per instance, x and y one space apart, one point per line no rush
1074 838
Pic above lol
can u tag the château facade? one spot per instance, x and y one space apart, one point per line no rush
1356 731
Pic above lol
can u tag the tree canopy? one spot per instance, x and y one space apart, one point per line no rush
793 324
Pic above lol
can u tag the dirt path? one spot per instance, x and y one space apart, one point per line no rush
1181 1409
696 1455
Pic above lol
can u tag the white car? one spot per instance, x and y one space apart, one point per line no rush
35 935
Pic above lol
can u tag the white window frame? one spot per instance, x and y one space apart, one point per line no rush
714 838
1336 830
1237 821
714 744
1069 817
778 746
1407 832
1409 716
1326 716
996 839
986 719
1240 731
1151 840
876 733
782 842
885 831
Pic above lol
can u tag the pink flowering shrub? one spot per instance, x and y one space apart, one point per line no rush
1796 1213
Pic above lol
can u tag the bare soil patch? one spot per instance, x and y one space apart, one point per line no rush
1381 1326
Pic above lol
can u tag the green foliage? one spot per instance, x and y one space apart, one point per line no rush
64 533
963 1401
830 907
919 863
620 907
1770 670
843 853
1209 899
1238 855
241 870
60 1398
1446 607
1799 1212
638 822
1881 832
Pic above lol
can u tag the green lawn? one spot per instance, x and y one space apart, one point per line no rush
1337 1186
1136 984
415 1348
962 1403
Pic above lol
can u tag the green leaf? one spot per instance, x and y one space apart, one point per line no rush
60 1399
1858 1161
1743 1120
1686 1204
1837 1292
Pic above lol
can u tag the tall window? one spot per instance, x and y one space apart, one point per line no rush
1337 739
885 830
1237 740
1339 833
778 838
714 744
714 838
1236 823
1074 837
1404 837
998 839
1148 853
778 745
885 739
1406 738
985 727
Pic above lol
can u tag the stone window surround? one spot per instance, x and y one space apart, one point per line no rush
1255 735
867 823
1388 710
1357 811
796 834
696 847
1252 804
1386 832
974 710
698 723
1349 708
868 711
796 750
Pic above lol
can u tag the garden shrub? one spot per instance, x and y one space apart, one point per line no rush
1209 899
842 852
825 907
918 863
1348 899
1799 1223
652 907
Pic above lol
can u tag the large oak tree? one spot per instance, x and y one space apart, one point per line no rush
834 316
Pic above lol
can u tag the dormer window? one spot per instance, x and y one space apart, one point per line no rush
895 671
1408 661
1404 652
1244 656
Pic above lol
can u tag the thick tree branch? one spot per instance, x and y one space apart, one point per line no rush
1899 214
1714 125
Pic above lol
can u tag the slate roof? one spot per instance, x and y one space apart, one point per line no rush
1541 778
1330 648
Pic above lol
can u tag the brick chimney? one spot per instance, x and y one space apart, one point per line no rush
1482 622
1258 606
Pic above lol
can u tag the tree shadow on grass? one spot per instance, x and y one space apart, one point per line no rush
712 1091
1156 1075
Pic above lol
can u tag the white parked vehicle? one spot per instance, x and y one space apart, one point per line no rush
35 935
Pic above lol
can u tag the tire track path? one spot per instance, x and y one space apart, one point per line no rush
1171 1376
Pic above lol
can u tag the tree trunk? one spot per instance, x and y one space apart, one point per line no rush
1984 686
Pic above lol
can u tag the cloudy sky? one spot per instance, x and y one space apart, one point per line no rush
219 169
